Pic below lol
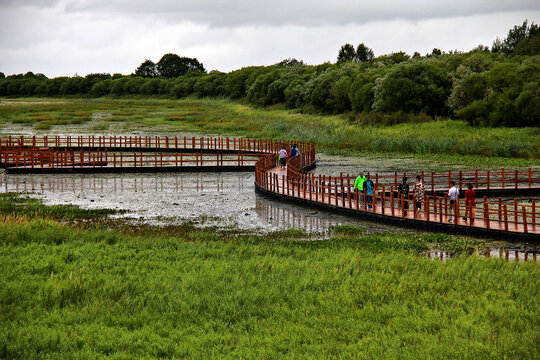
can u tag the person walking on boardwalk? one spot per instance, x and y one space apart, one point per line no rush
419 192
283 157
369 192
403 194
470 203
453 194
294 151
359 184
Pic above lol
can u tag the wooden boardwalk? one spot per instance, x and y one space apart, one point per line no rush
499 219
435 214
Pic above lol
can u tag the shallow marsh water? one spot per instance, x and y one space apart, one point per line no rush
205 199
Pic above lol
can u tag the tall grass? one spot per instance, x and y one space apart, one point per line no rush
214 116
72 293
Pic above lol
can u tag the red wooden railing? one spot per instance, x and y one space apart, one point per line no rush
339 192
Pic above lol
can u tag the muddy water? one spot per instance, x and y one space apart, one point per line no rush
205 199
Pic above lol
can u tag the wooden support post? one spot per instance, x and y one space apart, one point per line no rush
440 210
486 212
533 213
392 208
414 206
500 209
530 177
487 181
505 218
426 208
502 177
357 197
515 212
516 178
382 200
524 216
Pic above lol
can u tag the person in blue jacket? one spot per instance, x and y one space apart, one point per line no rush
368 184
294 151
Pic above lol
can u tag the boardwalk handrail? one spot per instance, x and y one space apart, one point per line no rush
64 153
337 192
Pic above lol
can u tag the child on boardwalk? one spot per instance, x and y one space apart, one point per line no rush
419 192
470 203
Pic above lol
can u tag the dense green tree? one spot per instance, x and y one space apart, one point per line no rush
521 39
363 53
172 65
420 87
147 69
2 76
346 53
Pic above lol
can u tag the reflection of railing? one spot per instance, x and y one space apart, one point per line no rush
283 217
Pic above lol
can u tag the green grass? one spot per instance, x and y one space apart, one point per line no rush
337 134
107 290
15 205
68 293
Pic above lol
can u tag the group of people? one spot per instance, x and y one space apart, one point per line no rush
284 155
365 185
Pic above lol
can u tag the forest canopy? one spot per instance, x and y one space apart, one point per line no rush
486 87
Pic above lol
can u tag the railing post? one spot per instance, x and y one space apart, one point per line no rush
516 178
392 208
505 218
515 212
426 208
533 213
486 212
500 210
487 185
502 175
530 177
414 206
524 212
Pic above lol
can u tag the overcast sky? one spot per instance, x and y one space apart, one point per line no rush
68 37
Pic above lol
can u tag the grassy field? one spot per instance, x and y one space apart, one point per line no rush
446 139
102 289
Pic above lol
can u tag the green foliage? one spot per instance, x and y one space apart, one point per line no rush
104 293
147 69
417 87
521 40
172 66
480 87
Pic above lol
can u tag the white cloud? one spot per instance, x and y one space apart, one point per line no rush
100 36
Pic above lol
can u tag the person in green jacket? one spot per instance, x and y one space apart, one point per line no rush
359 184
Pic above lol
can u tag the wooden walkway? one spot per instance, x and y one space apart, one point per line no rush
390 206
499 219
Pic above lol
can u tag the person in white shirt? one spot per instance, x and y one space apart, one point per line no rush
283 157
453 194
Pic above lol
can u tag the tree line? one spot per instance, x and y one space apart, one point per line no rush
497 87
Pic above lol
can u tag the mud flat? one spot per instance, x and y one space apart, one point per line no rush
205 199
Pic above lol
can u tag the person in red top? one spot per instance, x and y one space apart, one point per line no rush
470 203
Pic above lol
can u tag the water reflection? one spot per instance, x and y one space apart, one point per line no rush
207 199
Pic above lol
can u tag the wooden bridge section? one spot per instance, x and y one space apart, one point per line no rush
510 220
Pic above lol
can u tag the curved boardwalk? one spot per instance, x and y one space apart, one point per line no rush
510 221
